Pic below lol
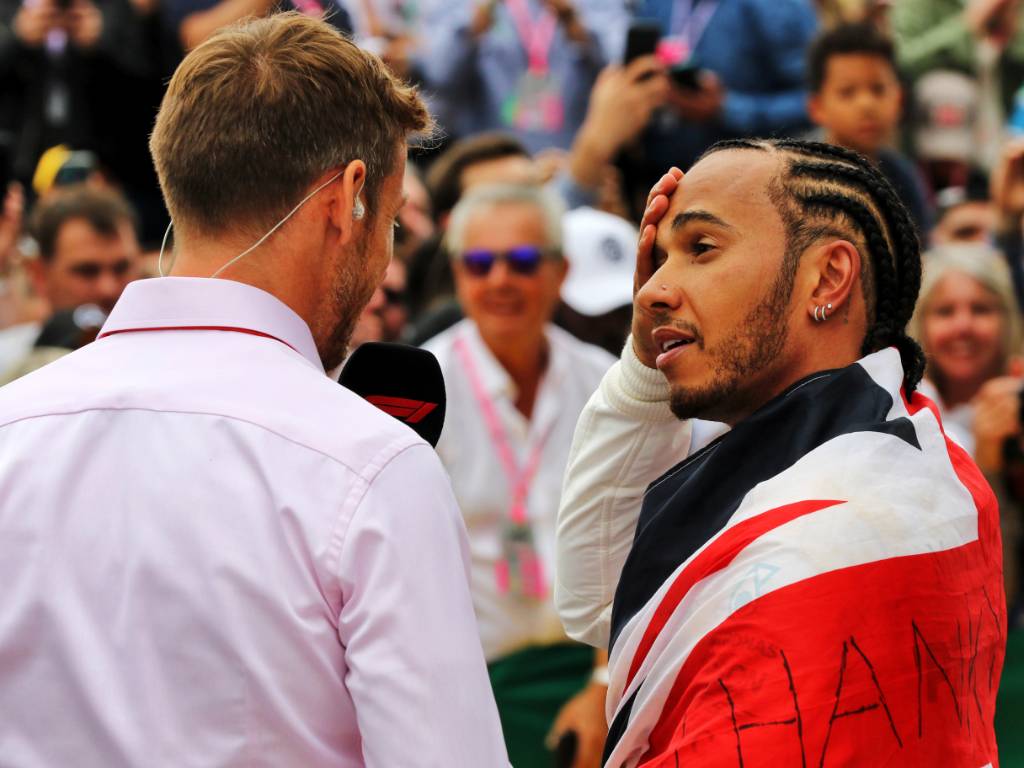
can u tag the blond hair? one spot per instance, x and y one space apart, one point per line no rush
988 267
260 110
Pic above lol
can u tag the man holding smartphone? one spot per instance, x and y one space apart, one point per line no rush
522 66
739 71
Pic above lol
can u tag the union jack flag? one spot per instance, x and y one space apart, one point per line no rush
821 586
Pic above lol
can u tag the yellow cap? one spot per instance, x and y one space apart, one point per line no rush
48 167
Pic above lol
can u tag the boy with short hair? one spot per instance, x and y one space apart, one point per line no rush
856 98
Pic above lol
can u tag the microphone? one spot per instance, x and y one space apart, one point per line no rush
404 382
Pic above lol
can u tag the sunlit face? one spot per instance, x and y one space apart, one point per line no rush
508 308
360 267
859 101
962 330
89 267
724 311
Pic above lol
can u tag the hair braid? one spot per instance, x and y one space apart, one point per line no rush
889 326
901 230
878 252
820 150
757 144
906 258
845 183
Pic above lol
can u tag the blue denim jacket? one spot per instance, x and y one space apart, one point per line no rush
472 79
757 48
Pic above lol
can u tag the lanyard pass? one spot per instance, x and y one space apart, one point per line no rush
520 570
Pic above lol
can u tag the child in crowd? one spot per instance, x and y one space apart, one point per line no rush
856 98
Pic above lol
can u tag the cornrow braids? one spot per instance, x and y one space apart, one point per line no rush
908 271
830 190
734 144
884 271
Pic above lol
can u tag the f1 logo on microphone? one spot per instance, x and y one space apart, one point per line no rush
409 411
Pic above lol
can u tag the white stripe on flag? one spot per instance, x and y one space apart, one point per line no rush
890 483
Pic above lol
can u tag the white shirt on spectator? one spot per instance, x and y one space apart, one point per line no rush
16 341
510 623
213 555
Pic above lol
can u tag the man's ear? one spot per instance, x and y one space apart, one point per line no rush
344 204
835 274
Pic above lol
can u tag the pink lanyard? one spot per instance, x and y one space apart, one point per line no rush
536 36
519 479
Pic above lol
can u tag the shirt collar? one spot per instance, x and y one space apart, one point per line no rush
496 380
207 303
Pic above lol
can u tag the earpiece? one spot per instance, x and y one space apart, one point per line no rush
358 210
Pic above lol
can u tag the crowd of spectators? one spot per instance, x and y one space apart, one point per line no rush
514 255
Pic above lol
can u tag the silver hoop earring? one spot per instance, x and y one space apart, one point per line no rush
817 317
825 311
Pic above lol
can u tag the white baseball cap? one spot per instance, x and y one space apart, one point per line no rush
601 251
947 105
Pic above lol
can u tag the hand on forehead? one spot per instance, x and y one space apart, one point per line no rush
729 189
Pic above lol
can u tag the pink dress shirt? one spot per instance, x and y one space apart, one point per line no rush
213 555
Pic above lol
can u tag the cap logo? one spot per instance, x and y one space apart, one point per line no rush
611 249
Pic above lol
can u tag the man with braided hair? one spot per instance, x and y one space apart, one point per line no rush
821 584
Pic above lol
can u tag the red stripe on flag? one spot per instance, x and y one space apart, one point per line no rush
718 555
760 685
894 662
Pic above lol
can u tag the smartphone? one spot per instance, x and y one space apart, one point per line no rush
641 40
686 76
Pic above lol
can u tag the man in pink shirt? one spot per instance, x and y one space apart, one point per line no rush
211 554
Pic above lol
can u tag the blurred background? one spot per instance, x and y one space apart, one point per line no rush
586 103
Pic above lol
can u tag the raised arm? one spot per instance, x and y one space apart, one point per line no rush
625 438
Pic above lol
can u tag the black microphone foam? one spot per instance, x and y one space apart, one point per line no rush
405 382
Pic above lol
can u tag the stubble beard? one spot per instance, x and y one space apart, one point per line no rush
743 356
351 290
